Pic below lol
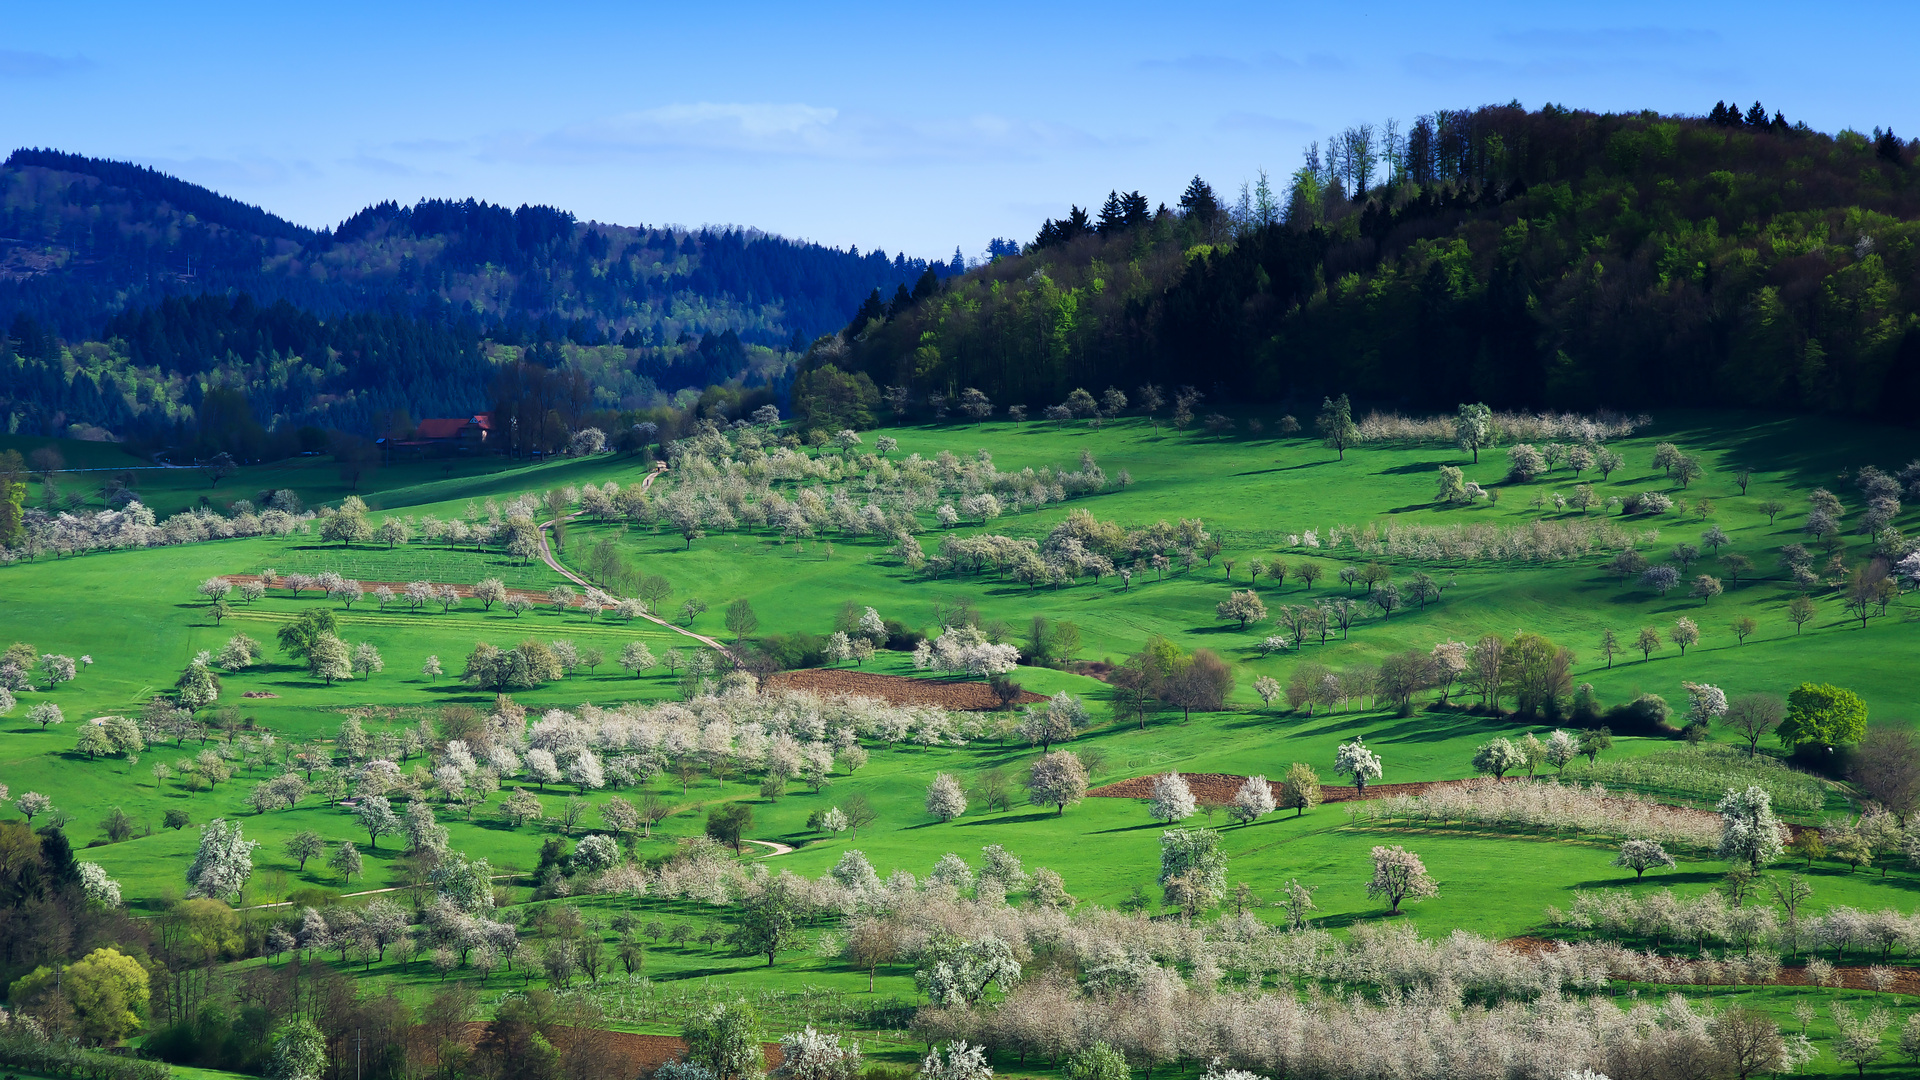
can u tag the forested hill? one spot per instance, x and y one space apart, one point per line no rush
82 239
126 293
1547 258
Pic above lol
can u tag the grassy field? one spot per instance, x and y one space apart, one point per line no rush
136 614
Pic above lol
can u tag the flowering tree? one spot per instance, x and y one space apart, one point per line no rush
817 1055
959 1061
1172 799
1253 801
1641 856
1561 749
99 888
1498 756
1399 877
946 799
223 864
1749 831
1708 703
1355 760
1057 779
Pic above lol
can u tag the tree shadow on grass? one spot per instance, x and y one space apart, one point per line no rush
1134 828
1415 467
1039 815
1661 881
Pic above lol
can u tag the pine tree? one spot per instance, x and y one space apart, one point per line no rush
1198 201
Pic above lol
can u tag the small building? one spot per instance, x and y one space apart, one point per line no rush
455 433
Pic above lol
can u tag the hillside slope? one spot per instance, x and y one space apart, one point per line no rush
1548 258
127 294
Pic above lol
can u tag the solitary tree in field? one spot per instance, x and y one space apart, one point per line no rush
1172 799
1355 760
1244 605
489 592
1648 642
1594 741
46 714
1685 632
1474 429
741 620
1253 801
1642 855
366 660
1754 716
1609 645
1056 780
345 860
306 844
1800 611
1823 715
223 863
376 816
329 660
1561 750
1299 788
946 799
1335 424
1399 877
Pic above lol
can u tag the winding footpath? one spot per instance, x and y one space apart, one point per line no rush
777 847
546 555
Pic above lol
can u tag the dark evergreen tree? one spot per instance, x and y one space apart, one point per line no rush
1198 201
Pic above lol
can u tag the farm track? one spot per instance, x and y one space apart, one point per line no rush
546 555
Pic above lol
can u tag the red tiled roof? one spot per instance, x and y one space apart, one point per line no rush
440 429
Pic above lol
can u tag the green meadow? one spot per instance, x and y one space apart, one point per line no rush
137 615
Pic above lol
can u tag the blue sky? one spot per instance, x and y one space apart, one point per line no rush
902 126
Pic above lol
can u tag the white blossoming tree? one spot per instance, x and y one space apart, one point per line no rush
1172 799
1254 800
1749 831
946 799
223 864
1355 760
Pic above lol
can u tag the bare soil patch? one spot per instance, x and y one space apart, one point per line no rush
259 693
627 1053
893 689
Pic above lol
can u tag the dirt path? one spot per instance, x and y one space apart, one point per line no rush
778 847
546 555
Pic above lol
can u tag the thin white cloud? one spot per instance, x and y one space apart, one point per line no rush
22 64
784 130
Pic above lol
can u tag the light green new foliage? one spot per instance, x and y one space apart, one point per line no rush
1098 1062
299 1051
